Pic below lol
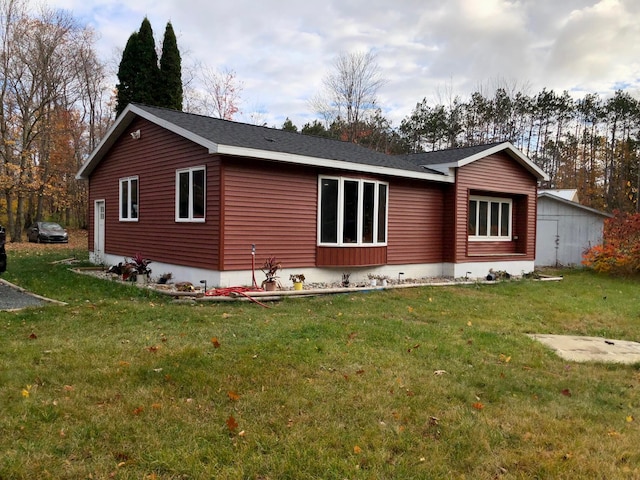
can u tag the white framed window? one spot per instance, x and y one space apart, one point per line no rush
490 218
352 212
190 194
129 198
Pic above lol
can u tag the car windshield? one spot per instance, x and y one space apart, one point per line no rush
51 226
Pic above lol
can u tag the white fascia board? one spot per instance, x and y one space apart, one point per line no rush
121 124
328 163
520 157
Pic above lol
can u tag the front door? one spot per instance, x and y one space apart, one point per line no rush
98 232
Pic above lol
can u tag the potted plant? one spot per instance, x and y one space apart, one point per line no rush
141 269
297 279
378 278
270 269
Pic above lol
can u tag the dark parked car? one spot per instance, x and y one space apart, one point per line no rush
47 232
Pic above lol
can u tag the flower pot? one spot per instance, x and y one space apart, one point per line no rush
141 279
297 285
270 286
374 282
384 282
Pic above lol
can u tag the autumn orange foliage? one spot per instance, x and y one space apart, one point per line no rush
619 253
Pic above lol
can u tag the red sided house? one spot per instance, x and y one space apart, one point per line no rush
194 194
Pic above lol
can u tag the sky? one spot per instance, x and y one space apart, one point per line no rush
281 50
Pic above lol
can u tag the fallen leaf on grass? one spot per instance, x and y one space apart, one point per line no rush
153 348
138 411
33 336
68 388
357 450
410 309
413 348
233 395
478 406
26 391
232 425
630 418
566 392
504 359
216 343
439 372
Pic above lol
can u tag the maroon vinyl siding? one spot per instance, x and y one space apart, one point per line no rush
500 176
416 222
351 256
272 205
154 158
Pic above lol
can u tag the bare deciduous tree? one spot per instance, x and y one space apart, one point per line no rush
350 91
219 95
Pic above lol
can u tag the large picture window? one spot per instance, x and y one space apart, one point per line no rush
352 212
489 218
129 199
190 194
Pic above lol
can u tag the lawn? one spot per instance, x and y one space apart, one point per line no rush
430 382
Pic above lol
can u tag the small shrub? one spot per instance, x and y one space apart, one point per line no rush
619 253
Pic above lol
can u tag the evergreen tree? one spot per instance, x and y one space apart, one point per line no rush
127 73
288 126
148 81
138 74
170 71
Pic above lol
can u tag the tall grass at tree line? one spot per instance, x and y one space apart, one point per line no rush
122 383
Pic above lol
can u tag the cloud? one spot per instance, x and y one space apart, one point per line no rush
281 49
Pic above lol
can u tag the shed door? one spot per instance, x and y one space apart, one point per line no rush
547 243
98 232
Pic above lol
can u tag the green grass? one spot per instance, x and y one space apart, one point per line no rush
122 383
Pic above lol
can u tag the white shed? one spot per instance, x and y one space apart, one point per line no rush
565 229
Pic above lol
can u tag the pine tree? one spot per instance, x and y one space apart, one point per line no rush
170 71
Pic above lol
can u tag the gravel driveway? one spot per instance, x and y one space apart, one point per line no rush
15 298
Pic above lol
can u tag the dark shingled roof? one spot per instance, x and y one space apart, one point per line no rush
450 155
225 132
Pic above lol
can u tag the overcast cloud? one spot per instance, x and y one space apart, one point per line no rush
281 49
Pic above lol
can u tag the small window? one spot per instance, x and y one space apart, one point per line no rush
190 195
129 199
489 218
352 212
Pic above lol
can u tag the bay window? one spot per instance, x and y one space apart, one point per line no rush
352 212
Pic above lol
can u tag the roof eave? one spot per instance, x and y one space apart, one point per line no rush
120 126
329 163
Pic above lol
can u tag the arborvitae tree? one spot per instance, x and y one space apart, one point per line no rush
139 74
170 71
127 74
148 80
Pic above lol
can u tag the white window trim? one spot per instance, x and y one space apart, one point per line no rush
491 238
128 218
340 219
190 218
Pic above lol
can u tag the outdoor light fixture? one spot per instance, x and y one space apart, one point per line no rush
136 134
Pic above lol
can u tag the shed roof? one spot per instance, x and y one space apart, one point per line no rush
564 201
243 140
